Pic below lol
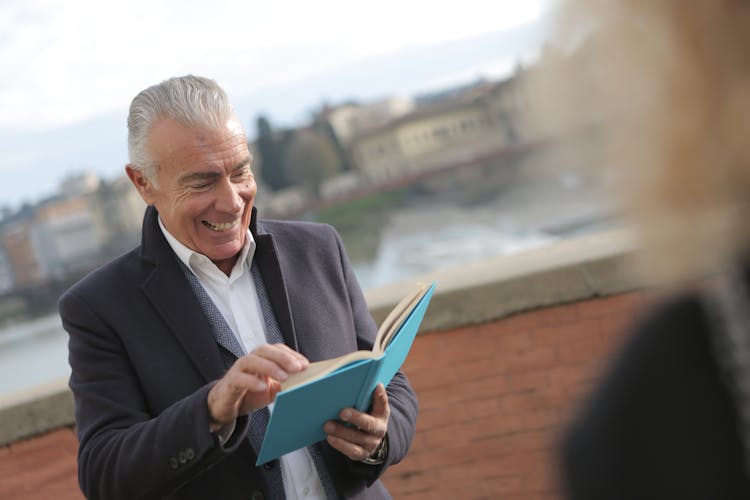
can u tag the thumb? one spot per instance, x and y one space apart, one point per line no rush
380 406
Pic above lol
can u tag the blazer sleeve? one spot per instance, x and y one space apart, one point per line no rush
401 397
119 439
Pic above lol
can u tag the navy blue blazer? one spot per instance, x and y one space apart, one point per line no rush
143 358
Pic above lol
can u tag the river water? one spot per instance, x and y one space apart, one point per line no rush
416 241
32 353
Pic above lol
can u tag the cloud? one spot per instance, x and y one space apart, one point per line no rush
64 62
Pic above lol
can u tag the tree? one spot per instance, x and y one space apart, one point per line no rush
310 158
269 150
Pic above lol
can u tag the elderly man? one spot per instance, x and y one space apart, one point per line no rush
178 347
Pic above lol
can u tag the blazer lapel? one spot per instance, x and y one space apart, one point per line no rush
268 264
219 327
171 295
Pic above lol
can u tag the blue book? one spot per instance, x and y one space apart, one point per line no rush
310 398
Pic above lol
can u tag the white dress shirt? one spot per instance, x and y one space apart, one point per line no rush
237 300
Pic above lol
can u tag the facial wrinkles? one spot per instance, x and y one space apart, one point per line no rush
215 152
227 143
180 193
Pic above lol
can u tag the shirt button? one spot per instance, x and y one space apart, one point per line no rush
306 490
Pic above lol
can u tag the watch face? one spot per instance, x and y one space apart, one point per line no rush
378 456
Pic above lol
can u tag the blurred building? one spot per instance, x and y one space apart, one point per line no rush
285 201
349 120
404 141
456 129
119 212
68 234
6 273
79 183
18 245
340 185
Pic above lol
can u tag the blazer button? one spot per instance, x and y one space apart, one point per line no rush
183 457
189 453
257 495
173 463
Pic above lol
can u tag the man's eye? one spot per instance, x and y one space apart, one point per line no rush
201 186
241 175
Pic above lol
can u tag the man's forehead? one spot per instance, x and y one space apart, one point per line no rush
171 137
235 126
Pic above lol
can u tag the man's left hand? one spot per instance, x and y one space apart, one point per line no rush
360 439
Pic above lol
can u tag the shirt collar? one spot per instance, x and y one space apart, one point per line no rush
190 257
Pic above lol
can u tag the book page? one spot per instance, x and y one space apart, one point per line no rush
396 318
320 368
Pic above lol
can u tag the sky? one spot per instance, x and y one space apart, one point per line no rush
71 68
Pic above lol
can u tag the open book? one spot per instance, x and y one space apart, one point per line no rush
310 398
387 330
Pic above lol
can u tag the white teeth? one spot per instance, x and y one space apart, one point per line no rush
223 226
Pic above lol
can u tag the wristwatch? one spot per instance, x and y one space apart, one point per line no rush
378 456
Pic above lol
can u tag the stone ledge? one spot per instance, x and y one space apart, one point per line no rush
570 270
34 411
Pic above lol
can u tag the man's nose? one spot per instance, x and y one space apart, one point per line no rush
228 197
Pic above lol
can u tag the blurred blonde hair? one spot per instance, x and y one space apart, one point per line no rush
670 83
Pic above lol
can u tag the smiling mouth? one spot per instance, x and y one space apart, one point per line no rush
220 227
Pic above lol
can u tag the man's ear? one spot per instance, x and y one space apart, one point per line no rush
142 183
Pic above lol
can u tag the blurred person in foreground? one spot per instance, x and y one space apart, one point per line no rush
671 418
178 347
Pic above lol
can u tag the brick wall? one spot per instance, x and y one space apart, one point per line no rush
493 400
495 397
42 468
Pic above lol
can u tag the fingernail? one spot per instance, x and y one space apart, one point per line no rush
328 427
346 415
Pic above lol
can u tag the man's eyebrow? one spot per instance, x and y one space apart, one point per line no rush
244 163
197 176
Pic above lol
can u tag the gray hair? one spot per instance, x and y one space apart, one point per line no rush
192 101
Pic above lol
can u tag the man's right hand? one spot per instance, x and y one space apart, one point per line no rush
252 382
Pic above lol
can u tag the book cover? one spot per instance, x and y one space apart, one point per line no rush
299 412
